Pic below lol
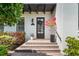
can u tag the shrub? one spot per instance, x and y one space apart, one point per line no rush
20 37
13 39
6 40
3 50
73 46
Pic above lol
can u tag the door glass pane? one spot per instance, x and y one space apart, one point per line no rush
40 26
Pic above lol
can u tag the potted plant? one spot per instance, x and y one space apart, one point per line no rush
51 23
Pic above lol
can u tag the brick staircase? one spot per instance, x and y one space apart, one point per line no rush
42 46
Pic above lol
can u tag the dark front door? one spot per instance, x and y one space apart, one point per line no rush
40 27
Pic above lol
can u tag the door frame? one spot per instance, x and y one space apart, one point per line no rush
43 26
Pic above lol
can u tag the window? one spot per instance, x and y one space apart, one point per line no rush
1 27
20 26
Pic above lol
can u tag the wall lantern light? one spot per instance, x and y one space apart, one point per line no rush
32 22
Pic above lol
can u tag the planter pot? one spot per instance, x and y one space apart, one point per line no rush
52 38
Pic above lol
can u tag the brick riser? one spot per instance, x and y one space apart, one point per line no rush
44 51
27 51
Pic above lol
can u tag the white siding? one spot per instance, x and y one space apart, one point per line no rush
9 28
59 21
29 29
67 21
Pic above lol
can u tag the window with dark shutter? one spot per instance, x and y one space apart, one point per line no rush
20 26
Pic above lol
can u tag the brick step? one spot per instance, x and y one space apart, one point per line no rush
48 51
12 53
40 42
39 46
27 51
28 54
51 53
39 50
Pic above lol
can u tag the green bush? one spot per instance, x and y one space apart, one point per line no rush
6 40
10 13
13 39
3 50
20 37
73 46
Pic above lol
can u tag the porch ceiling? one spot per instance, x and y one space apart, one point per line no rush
39 8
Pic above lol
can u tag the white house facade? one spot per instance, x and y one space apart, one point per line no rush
31 29
66 21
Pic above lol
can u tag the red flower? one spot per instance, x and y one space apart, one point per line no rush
51 22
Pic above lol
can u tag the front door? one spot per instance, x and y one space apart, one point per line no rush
40 28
